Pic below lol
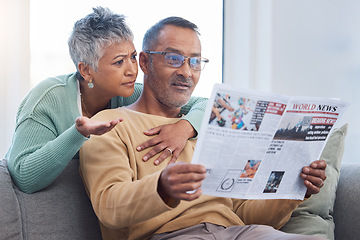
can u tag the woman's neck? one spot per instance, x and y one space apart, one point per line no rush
91 102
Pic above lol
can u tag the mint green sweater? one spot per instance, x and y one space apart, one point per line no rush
46 139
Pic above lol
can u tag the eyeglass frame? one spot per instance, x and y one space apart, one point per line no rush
202 59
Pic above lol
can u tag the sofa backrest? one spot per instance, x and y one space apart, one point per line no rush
60 211
347 206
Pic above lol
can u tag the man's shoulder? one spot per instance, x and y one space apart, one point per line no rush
128 116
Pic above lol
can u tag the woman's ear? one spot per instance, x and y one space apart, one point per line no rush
144 62
84 70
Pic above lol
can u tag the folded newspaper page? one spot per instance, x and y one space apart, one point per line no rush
254 145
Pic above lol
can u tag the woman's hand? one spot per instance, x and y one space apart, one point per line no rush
171 140
87 126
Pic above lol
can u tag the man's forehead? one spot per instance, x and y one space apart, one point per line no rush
179 39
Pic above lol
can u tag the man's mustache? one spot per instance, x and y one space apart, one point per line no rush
181 80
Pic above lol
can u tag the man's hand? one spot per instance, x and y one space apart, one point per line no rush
179 179
314 177
170 137
87 126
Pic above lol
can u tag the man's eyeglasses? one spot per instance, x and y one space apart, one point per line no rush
177 60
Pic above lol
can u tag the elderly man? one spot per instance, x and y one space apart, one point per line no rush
134 199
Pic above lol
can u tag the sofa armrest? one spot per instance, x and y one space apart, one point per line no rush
347 205
60 211
10 218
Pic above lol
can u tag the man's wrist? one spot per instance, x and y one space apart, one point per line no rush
161 191
171 202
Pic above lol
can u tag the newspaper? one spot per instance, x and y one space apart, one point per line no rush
254 145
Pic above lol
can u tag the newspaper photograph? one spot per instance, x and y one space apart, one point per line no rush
254 145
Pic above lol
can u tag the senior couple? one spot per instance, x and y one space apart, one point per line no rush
134 198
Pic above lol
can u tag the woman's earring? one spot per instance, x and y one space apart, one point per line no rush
90 84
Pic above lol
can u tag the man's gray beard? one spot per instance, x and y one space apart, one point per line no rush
163 97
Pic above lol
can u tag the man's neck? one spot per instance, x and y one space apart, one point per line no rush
151 105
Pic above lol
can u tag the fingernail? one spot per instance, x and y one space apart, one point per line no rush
156 162
145 158
138 148
306 170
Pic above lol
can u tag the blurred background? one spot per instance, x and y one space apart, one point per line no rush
291 47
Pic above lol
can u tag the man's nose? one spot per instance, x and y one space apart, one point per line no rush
185 69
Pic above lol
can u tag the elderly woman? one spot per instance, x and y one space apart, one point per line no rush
53 121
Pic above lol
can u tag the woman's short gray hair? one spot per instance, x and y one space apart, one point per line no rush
94 32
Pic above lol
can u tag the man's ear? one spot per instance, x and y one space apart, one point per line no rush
84 70
144 62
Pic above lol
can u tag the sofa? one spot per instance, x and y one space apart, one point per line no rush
63 210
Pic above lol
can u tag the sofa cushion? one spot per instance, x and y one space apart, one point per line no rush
315 215
60 211
10 218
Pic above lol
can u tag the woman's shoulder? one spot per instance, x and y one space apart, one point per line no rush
53 82
62 83
47 92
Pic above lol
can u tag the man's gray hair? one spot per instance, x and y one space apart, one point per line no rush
151 36
93 33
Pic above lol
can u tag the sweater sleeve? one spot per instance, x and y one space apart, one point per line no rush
37 156
119 199
45 139
194 111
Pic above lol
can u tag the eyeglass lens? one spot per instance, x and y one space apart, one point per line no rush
177 60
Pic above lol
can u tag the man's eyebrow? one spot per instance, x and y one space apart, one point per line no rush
170 49
174 50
